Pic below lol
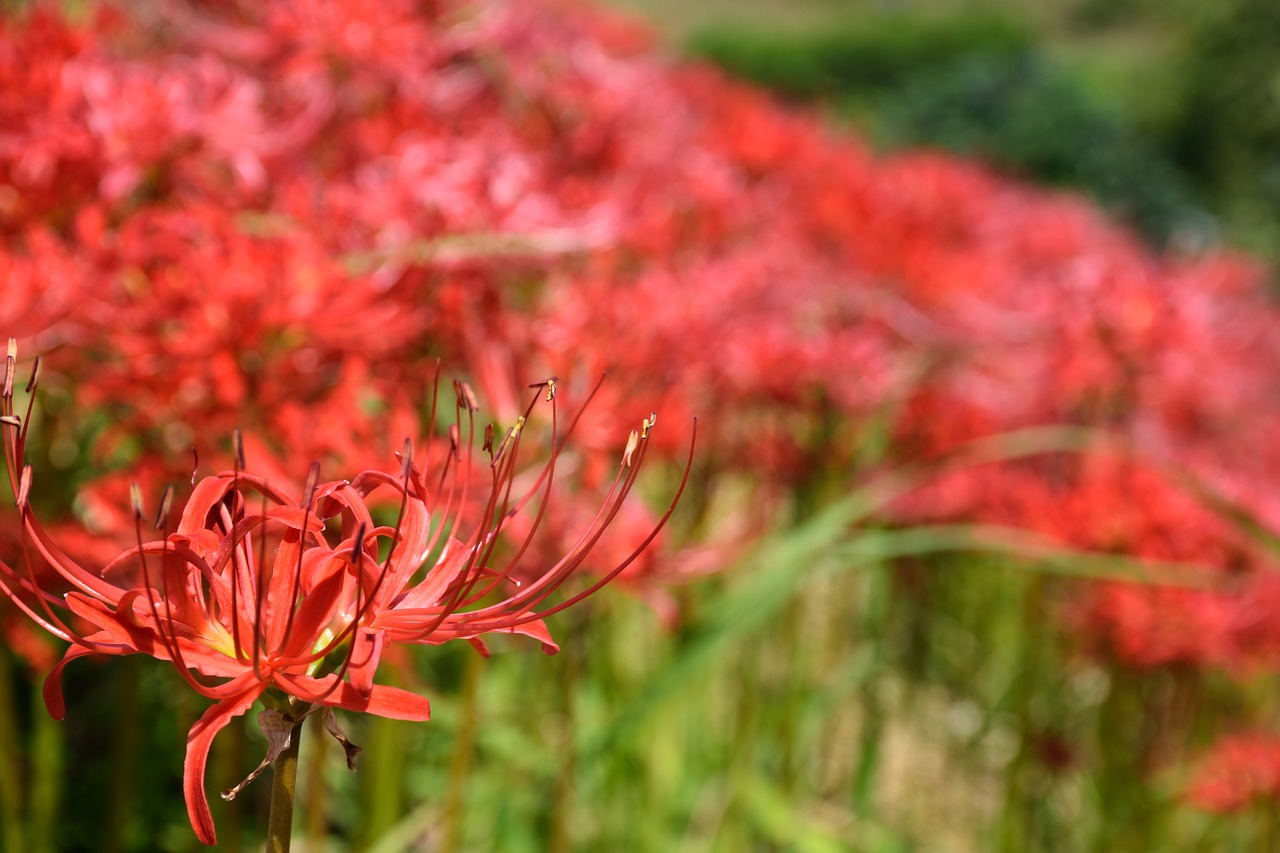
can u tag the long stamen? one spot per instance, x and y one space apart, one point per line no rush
237 466
470 596
621 567
308 501
357 557
161 627
258 573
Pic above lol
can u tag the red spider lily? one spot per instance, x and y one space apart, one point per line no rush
1237 771
253 595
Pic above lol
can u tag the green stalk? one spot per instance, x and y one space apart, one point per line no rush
10 761
1017 822
561 840
127 730
463 749
317 817
382 789
46 784
284 784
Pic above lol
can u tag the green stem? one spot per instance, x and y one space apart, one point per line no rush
46 784
317 816
561 840
284 784
10 768
463 748
383 785
126 734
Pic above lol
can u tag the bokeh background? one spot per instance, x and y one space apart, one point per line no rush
975 305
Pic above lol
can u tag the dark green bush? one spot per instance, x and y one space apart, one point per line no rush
978 85
1025 116
1228 132
876 54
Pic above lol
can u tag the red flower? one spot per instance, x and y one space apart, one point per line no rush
1237 771
255 595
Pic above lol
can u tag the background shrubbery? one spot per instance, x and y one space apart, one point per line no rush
976 553
1185 149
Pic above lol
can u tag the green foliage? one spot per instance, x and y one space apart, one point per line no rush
1228 131
1028 117
979 85
877 54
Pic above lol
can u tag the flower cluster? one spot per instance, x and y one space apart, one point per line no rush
253 594
281 217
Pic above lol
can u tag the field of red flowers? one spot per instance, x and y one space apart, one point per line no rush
980 499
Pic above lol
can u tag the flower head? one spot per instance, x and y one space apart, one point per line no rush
255 594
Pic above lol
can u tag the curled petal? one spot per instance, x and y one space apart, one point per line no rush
52 691
198 742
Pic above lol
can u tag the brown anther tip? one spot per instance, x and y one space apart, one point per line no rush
166 503
357 546
455 440
135 498
648 424
633 441
11 420
237 446
24 486
469 397
466 397
195 465
406 460
309 490
487 447
35 375
9 368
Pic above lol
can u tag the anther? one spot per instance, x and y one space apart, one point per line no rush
11 420
135 498
550 385
9 366
195 465
24 486
166 503
406 460
237 445
357 547
632 443
467 397
455 441
648 424
488 440
309 490
35 375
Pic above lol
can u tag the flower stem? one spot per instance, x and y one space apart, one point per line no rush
464 745
284 783
126 735
47 762
10 761
316 818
